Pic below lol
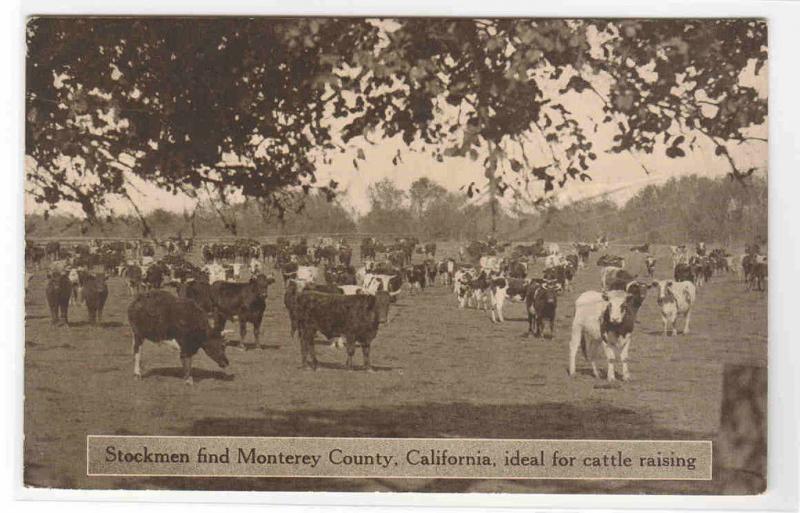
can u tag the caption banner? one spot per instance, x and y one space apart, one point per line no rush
397 458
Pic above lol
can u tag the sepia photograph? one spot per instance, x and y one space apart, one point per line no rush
400 254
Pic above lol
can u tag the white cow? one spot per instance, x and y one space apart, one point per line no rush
216 272
308 273
675 298
553 249
602 326
375 282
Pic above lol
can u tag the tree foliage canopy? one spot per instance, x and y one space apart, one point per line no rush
249 107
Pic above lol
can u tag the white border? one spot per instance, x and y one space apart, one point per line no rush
784 86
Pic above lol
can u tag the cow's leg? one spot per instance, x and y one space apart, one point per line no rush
53 313
65 312
623 355
351 350
574 344
242 331
137 356
365 354
552 321
303 348
186 363
686 323
310 351
666 323
531 320
610 356
257 332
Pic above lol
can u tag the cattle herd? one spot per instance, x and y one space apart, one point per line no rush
186 304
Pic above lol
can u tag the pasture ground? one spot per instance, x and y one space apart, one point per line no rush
441 372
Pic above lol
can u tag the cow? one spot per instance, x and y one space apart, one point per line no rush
246 301
541 300
390 283
583 251
683 272
611 277
198 291
430 249
154 276
700 249
159 316
95 294
757 273
644 248
58 293
675 298
133 278
679 255
431 271
650 265
345 256
562 273
605 321
700 270
502 289
416 276
518 269
356 318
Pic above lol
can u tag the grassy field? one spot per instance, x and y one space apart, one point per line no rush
442 372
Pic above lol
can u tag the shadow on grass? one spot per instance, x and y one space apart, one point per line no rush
197 374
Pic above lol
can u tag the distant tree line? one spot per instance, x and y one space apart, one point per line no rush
685 209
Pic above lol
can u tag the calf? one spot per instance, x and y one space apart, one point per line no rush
95 294
356 318
246 301
675 298
159 316
541 301
605 320
58 292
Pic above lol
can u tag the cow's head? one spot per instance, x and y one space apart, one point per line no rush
215 348
262 282
617 306
664 288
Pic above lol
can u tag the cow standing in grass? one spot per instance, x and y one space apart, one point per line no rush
58 293
356 318
95 294
675 298
541 301
159 316
246 301
603 326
